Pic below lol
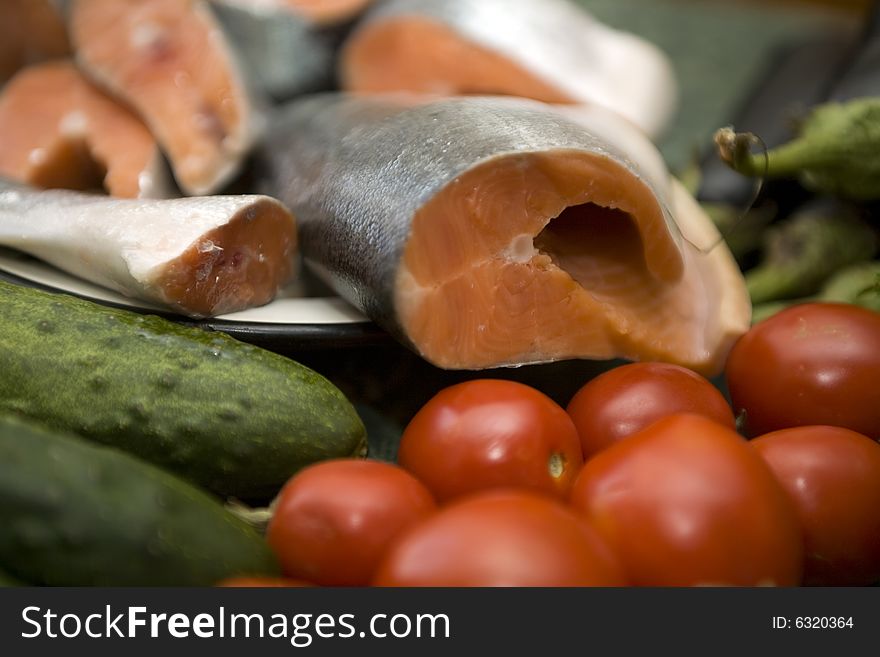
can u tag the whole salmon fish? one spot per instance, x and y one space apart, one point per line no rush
498 231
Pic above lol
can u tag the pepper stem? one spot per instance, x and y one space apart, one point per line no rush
735 148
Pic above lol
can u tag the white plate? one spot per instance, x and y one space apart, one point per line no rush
294 314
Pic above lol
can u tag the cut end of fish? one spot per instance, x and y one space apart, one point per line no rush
547 50
239 265
171 62
59 131
199 256
423 56
541 257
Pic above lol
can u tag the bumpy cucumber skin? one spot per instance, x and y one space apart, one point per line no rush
236 419
80 514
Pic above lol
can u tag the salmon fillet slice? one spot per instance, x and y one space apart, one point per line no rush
59 130
485 232
170 61
547 50
31 31
197 256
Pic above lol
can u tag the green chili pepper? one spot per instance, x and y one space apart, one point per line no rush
837 151
805 250
858 284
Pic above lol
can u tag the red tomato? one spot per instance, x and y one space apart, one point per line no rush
627 399
263 582
501 538
334 520
812 364
833 476
686 501
491 434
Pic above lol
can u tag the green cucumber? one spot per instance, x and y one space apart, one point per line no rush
233 418
79 514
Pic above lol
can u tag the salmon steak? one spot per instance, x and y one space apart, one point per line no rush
59 130
487 232
547 50
172 63
196 256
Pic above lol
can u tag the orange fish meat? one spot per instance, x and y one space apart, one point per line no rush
59 130
171 61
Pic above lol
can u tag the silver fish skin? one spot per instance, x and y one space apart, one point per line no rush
561 43
285 55
126 245
354 170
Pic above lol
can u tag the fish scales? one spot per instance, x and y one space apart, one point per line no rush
286 54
